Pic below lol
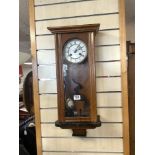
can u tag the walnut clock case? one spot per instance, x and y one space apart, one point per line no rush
76 80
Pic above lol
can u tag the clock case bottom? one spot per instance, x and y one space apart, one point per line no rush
79 128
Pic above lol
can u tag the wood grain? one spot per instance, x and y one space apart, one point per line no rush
126 141
35 77
131 91
85 72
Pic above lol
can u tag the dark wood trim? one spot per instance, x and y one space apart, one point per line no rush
35 77
75 28
126 140
87 34
131 90
130 47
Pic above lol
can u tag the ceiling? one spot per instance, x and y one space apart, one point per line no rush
24 37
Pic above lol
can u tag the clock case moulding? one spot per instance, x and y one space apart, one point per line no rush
81 79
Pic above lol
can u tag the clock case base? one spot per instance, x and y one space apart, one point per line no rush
79 128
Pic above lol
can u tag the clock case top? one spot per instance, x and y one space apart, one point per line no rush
86 33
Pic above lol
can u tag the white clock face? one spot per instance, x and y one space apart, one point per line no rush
75 51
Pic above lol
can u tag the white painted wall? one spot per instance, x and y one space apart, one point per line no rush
104 140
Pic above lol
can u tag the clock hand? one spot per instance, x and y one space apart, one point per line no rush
81 54
76 48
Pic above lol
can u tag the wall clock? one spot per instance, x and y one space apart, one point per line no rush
76 80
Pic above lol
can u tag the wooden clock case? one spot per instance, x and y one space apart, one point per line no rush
83 73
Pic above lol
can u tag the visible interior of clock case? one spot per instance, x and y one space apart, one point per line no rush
76 89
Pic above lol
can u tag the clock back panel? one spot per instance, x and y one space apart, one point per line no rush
76 82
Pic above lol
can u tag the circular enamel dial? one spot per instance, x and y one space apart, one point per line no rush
75 51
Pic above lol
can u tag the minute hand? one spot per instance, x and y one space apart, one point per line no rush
77 48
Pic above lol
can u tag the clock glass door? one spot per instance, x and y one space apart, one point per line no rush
76 81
